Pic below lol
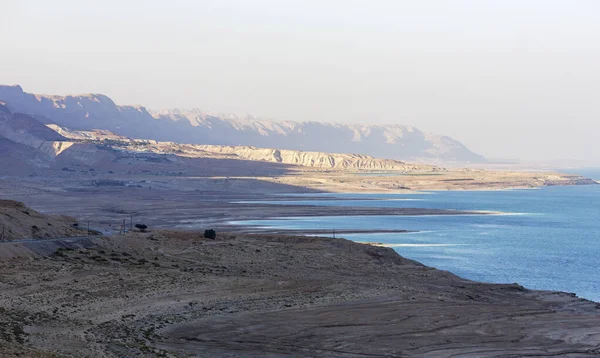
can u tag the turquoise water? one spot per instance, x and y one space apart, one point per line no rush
548 239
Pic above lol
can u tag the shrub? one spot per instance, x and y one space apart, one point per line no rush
210 234
141 227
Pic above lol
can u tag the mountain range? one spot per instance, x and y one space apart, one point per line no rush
96 111
30 147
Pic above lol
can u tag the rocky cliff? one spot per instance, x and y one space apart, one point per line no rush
319 160
95 111
315 159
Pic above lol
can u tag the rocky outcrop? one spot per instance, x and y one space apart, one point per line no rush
314 159
334 161
95 111
92 135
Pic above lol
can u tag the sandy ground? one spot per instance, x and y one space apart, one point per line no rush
170 294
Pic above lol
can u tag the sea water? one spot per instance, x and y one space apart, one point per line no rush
546 238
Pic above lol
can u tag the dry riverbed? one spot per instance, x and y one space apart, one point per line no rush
175 294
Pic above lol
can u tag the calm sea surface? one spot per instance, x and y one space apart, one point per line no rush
548 239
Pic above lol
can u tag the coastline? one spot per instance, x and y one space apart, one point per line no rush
504 247
166 293
175 205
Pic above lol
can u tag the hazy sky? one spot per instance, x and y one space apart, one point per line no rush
508 78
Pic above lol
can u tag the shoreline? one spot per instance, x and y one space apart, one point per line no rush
167 293
248 229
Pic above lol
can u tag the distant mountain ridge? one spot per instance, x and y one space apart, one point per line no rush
28 146
95 111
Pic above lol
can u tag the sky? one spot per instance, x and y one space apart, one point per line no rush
515 79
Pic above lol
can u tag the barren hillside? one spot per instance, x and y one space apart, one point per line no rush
20 222
172 294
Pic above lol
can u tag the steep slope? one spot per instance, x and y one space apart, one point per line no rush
19 159
24 129
20 138
321 160
19 222
27 144
95 111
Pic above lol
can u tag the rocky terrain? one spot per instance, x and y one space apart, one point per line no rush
95 111
171 294
20 222
319 160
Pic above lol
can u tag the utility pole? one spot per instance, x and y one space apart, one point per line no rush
88 234
131 222
334 233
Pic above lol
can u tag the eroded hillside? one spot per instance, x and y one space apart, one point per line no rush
174 294
318 160
20 222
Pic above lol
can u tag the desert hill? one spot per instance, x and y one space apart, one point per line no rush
24 129
19 159
28 146
20 222
95 111
176 294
